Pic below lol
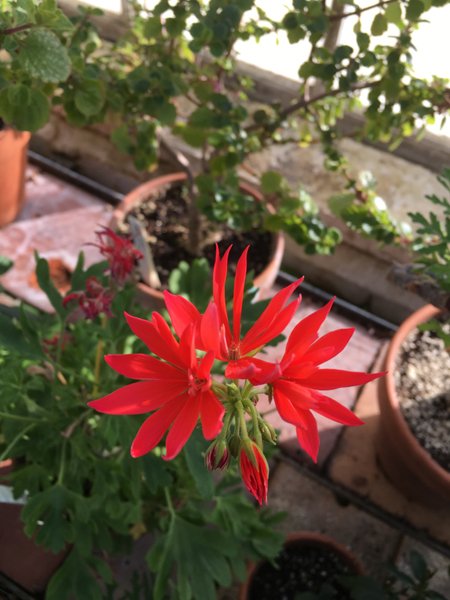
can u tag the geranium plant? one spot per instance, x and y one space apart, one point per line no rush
82 491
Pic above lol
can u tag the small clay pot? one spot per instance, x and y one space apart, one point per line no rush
153 298
404 461
21 560
300 540
13 162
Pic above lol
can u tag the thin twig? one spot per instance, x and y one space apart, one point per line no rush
17 29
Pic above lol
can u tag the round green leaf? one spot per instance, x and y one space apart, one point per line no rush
43 56
379 25
23 107
90 97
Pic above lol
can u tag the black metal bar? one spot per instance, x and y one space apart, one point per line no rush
344 305
90 185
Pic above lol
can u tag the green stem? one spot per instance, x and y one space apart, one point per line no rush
169 502
256 431
62 464
242 423
15 440
18 418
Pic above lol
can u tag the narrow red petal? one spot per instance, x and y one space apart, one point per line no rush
210 330
306 331
270 332
142 366
330 379
300 397
156 337
238 295
153 428
138 398
205 365
331 409
286 409
308 435
256 370
211 412
182 312
270 314
328 346
219 280
183 426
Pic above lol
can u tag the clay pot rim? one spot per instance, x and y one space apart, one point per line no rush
307 538
142 191
422 315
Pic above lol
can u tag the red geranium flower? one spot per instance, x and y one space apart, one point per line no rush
177 388
296 380
119 252
213 330
254 471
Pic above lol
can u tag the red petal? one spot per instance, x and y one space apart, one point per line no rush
141 366
308 435
328 346
301 398
330 379
157 337
211 411
205 365
257 370
182 312
210 330
238 295
219 280
287 410
153 428
273 330
306 331
138 398
270 313
183 426
329 408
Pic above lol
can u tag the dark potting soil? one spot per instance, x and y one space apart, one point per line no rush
165 217
301 569
422 380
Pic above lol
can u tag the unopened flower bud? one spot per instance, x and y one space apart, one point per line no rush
254 470
217 456
268 432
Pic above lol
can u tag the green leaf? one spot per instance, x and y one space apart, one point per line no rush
202 118
74 577
340 202
156 472
379 25
414 9
5 264
23 107
47 286
44 57
90 97
271 182
193 451
393 13
12 338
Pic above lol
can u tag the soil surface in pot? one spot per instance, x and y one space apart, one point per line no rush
302 568
165 217
422 379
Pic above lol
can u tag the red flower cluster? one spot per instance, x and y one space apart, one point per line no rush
119 252
178 387
92 302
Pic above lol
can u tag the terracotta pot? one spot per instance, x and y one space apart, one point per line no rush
21 560
154 298
306 539
13 161
405 462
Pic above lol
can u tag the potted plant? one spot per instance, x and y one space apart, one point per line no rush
176 73
307 562
45 60
415 397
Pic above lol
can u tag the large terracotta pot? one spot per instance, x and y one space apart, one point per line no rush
405 462
306 539
154 298
13 161
21 560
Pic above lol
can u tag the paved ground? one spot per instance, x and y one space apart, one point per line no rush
345 494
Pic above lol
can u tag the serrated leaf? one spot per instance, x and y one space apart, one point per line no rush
23 107
90 97
43 56
156 472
